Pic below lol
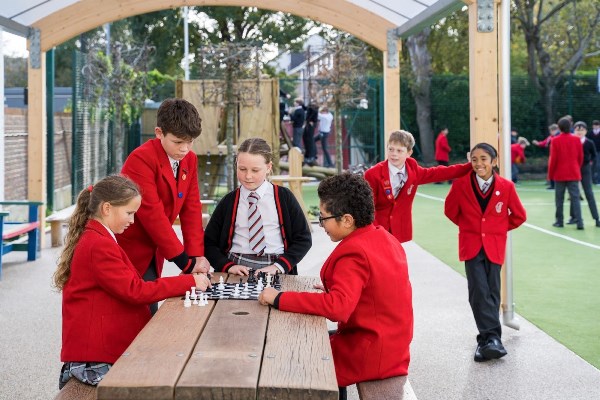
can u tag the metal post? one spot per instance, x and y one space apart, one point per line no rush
50 128
2 166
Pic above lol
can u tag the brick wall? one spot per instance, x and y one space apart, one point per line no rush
15 153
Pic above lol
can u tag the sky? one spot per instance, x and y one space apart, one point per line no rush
14 45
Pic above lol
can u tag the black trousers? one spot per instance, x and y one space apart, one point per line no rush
151 275
559 199
483 279
586 183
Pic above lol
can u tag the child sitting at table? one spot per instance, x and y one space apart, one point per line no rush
365 287
105 300
258 225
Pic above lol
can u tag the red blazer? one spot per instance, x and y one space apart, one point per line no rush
566 158
488 230
163 198
395 214
369 294
442 148
105 300
517 154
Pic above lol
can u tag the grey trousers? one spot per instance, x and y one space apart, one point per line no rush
559 200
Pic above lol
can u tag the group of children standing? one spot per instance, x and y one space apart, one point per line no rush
110 269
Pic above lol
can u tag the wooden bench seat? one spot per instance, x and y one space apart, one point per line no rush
396 388
57 220
20 236
75 390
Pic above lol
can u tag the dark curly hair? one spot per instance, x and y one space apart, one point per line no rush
348 194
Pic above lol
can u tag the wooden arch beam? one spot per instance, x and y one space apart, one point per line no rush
85 15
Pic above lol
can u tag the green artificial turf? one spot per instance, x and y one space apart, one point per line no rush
556 281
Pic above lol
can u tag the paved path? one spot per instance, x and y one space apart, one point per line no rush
442 366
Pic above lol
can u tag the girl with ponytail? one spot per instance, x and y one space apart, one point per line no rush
105 300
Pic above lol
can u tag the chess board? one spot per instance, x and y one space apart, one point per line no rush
227 292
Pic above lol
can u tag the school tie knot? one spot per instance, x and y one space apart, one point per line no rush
175 168
485 187
256 234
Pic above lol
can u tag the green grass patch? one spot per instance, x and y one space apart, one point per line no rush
556 281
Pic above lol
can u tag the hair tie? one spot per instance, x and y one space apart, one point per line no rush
90 188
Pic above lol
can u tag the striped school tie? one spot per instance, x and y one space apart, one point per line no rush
400 184
255 225
175 168
485 187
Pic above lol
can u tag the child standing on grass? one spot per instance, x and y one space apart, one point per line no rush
365 287
105 300
589 158
485 207
395 182
258 225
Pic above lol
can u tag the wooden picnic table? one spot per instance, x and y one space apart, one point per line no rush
229 349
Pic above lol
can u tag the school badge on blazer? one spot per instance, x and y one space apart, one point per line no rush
499 207
387 189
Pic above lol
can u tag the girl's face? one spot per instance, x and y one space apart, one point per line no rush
483 163
118 218
252 170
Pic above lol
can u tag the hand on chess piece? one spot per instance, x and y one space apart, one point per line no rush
267 296
238 270
272 269
202 266
202 281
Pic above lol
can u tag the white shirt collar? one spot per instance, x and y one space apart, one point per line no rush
394 170
109 231
480 181
261 190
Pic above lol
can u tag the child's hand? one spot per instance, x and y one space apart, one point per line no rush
319 286
202 266
272 269
202 281
238 270
267 296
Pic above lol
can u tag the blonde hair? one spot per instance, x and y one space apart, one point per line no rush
114 189
404 138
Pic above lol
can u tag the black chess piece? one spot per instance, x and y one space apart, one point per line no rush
251 276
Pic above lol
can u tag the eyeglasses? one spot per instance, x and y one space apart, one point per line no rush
321 219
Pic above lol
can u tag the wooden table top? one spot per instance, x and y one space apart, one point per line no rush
229 349
287 178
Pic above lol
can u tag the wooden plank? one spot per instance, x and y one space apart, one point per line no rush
297 363
391 98
12 230
151 365
396 388
75 390
226 361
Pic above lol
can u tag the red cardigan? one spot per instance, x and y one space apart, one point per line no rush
566 158
163 198
395 214
488 230
105 301
369 293
442 148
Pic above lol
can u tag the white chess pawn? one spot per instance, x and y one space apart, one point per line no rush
221 283
246 290
193 296
187 302
236 290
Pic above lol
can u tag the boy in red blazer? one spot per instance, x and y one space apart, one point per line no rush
442 148
165 170
485 207
367 292
564 168
394 183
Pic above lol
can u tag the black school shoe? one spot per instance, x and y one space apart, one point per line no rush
493 349
572 221
478 356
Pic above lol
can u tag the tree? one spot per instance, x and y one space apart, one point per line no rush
558 35
15 71
420 85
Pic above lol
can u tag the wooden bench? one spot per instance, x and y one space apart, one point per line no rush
20 236
57 220
75 390
396 388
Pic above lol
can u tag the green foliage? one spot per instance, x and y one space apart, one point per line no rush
15 71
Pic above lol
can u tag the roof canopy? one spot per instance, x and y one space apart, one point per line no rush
60 20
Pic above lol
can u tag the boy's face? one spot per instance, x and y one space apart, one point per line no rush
175 147
596 128
397 154
336 230
483 164
580 131
554 132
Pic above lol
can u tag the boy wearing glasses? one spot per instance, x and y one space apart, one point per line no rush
367 292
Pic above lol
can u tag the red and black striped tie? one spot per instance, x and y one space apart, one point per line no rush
255 225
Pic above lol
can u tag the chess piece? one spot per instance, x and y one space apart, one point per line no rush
236 291
269 280
193 296
221 283
187 302
251 276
